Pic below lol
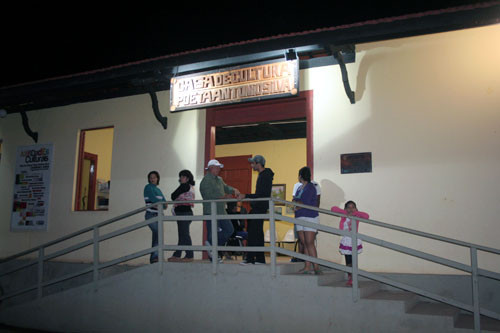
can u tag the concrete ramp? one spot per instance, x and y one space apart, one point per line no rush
187 297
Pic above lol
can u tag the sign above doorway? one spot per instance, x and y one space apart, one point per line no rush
253 82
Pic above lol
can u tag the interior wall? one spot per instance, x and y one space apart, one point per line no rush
100 143
284 157
428 108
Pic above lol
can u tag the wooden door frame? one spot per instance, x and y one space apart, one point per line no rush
273 110
81 151
254 112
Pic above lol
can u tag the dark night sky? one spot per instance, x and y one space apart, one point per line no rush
39 42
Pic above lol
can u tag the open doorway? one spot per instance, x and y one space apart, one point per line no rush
280 130
93 177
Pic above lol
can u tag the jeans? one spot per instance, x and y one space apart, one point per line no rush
224 231
154 230
183 233
256 237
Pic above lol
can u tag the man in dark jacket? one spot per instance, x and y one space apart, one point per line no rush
255 227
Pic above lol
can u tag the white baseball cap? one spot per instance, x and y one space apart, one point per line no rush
214 162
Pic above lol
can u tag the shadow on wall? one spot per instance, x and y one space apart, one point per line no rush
367 62
331 194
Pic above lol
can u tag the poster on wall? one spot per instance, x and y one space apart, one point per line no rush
32 187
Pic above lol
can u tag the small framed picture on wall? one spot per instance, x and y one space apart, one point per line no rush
279 192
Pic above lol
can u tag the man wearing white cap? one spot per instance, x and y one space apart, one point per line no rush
213 187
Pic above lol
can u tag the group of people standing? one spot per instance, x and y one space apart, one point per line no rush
213 187
185 192
306 192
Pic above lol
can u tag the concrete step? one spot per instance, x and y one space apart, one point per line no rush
434 309
399 300
365 287
437 315
487 324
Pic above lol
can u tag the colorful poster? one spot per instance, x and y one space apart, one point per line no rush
32 187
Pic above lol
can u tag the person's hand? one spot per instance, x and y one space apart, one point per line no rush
241 196
236 192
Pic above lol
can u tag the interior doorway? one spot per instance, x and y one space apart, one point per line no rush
88 181
282 126
92 184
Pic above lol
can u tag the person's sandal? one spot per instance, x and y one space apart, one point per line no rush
318 272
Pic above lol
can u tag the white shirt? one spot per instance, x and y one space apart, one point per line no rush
297 185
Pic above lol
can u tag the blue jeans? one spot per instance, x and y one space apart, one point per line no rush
224 231
154 229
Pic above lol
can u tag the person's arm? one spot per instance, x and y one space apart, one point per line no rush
162 198
205 191
264 190
362 215
339 210
319 197
149 196
181 189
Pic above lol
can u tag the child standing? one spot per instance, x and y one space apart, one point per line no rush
345 246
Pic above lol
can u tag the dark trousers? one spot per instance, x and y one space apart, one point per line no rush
256 237
183 235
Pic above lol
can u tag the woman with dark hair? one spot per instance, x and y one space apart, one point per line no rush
306 195
153 194
185 192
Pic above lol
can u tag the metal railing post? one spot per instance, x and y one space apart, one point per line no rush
160 238
215 227
40 272
475 289
96 257
354 245
272 233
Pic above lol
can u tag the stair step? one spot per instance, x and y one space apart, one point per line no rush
397 300
434 309
487 324
365 287
391 295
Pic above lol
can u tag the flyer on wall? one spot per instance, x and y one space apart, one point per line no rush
32 187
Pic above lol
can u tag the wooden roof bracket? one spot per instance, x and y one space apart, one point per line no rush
26 126
156 109
337 54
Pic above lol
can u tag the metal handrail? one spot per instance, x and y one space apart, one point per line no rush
272 216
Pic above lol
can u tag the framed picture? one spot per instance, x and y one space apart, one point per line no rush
355 163
279 192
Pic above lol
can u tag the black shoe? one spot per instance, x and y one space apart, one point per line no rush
296 260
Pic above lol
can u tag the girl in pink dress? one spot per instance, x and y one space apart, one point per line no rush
345 246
